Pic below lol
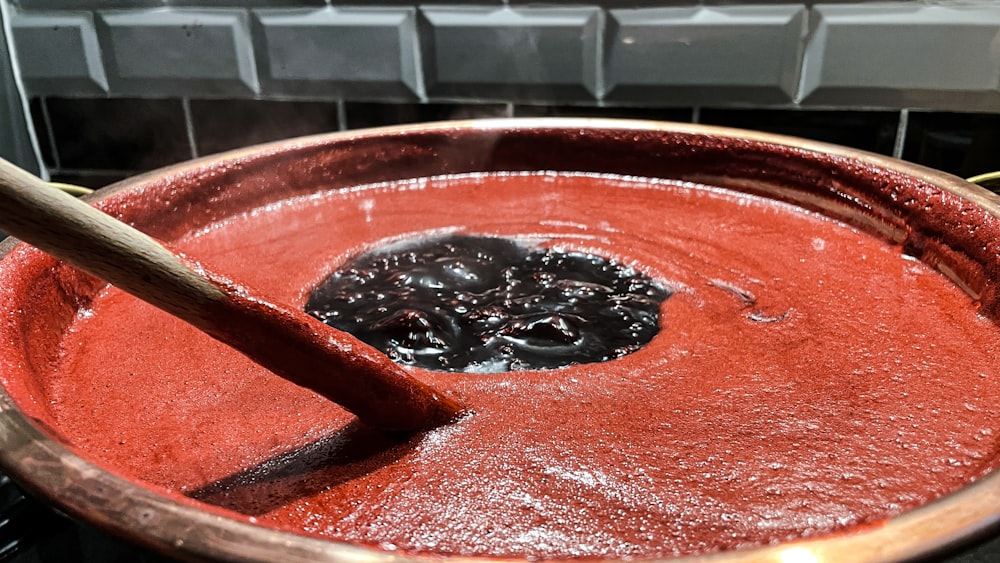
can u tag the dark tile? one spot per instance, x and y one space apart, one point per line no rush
965 144
89 179
118 134
366 114
42 131
867 130
221 125
655 114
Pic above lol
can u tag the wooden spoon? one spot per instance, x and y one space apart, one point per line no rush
284 340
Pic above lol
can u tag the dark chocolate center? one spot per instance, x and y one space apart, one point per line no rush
464 303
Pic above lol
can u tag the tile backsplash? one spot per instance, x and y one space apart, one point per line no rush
873 131
961 143
220 125
121 86
113 134
96 141
914 54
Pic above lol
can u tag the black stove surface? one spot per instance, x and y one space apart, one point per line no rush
31 532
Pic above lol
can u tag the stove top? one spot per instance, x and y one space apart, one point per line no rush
32 532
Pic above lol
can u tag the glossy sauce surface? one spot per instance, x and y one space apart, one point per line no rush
808 379
488 304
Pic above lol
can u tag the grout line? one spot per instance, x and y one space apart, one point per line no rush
417 56
342 114
509 110
189 125
696 114
600 88
900 143
806 38
19 91
44 104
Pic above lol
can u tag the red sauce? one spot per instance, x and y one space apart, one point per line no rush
871 394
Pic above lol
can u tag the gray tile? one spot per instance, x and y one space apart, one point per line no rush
414 3
338 52
609 4
58 53
702 55
247 3
85 4
178 52
536 53
904 55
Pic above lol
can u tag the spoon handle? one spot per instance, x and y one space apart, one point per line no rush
68 228
286 341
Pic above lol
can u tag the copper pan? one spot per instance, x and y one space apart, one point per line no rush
872 192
